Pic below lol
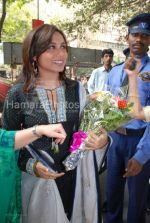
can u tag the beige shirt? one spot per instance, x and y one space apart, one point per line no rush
147 113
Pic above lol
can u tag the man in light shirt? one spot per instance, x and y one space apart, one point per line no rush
99 76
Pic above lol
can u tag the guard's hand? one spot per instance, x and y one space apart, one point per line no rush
133 168
44 173
93 96
93 142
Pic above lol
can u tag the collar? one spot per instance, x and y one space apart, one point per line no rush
104 69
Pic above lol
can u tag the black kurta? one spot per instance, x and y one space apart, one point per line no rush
25 110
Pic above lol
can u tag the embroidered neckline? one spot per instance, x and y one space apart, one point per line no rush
53 89
61 111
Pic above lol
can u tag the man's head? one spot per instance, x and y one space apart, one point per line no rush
138 36
107 57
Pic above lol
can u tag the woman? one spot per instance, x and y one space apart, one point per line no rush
9 173
47 96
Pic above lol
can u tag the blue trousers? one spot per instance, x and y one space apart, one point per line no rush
122 149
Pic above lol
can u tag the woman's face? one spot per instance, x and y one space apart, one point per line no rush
54 58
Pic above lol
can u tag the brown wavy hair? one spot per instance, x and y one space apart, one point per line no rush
36 42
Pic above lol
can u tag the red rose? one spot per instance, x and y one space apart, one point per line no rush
122 104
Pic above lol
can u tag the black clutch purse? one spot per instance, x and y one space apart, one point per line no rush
43 157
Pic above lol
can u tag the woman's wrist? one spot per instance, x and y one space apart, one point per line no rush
105 143
109 142
37 131
133 95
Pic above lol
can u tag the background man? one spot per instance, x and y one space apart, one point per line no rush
99 76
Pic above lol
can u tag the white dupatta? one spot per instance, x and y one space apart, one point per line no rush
41 201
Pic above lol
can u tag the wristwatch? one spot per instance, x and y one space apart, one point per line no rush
35 132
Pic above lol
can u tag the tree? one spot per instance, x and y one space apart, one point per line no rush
17 24
4 6
94 13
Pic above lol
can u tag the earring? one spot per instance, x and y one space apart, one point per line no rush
35 67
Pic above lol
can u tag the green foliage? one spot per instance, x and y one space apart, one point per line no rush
104 112
84 71
16 20
17 23
94 13
56 21
20 3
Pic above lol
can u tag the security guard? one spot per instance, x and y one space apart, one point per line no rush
127 138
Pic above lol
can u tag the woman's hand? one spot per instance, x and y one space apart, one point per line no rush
43 172
26 136
52 130
132 66
93 142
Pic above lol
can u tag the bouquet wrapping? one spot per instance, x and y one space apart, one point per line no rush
105 110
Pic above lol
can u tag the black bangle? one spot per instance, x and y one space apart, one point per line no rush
35 132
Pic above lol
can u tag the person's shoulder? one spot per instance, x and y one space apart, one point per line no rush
71 83
146 63
100 68
97 70
117 66
17 87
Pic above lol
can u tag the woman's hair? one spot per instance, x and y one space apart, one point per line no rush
36 42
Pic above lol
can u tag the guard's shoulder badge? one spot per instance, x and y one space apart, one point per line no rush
144 76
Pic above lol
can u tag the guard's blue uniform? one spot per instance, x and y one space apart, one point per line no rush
143 149
123 148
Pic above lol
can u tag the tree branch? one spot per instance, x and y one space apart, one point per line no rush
2 17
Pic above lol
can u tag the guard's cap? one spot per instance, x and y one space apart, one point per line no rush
139 24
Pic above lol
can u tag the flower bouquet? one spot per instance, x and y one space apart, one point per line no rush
105 110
